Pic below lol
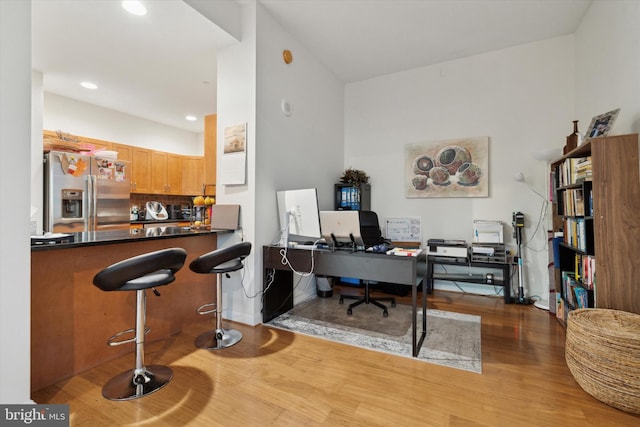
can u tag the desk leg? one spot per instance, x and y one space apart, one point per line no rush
417 343
414 319
428 280
506 276
424 321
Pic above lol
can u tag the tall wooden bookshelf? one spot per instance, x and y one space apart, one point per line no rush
597 206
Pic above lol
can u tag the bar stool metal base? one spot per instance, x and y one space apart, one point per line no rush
122 387
218 339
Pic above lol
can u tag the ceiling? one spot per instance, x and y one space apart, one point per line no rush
162 66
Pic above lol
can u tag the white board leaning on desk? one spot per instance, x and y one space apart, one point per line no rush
404 230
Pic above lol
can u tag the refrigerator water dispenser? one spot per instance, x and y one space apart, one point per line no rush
72 203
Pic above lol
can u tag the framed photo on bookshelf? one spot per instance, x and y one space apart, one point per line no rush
601 125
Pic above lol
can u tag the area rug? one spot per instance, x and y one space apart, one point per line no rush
452 340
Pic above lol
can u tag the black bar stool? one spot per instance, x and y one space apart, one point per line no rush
138 274
219 262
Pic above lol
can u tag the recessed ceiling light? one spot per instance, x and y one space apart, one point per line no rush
134 7
89 85
191 118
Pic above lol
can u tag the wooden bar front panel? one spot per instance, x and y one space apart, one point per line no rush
71 319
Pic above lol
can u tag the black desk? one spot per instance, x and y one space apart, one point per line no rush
278 298
506 274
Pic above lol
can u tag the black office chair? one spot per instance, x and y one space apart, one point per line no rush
219 262
372 236
142 272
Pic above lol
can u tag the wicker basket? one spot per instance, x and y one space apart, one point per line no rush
603 354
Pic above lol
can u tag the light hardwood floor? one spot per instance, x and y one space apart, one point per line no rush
274 377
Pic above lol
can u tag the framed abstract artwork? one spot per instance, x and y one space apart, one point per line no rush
450 168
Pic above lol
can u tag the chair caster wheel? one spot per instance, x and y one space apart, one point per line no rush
341 300
349 312
393 303
385 313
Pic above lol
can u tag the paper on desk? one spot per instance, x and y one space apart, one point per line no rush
404 252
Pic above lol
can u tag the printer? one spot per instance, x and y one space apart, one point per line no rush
488 232
447 248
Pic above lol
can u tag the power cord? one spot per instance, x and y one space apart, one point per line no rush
498 290
285 260
543 214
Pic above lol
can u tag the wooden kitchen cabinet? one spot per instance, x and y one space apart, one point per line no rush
210 147
159 175
174 173
193 170
125 152
139 166
158 172
166 177
141 170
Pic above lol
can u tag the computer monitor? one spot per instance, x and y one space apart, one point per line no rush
298 216
341 229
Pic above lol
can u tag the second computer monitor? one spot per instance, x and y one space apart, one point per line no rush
298 215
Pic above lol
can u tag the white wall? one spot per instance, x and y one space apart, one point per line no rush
300 151
520 97
236 105
80 118
37 169
15 150
303 150
608 64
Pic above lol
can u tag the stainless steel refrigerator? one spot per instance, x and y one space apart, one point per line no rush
85 193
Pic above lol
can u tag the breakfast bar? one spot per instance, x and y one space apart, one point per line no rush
71 319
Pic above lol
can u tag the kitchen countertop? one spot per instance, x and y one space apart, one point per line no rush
94 238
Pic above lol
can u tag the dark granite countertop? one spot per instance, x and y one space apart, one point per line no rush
94 238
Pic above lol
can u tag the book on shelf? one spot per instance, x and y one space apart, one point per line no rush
581 296
559 306
574 202
568 281
578 198
583 170
584 272
574 170
588 271
575 233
